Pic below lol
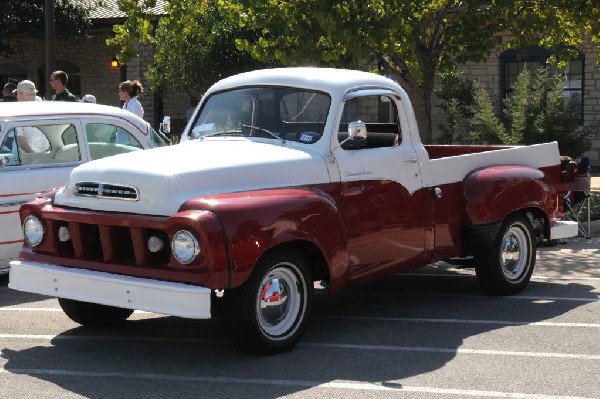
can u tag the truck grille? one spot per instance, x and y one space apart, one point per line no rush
125 245
106 190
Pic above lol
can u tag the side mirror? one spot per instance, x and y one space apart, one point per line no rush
357 131
165 126
357 136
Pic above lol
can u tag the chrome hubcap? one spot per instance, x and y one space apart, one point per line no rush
514 253
279 301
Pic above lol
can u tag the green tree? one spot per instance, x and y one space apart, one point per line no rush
411 40
27 17
536 112
194 44
457 95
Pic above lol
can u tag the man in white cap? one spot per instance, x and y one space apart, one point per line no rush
88 98
30 139
26 91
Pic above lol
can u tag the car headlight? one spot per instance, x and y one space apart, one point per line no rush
185 247
33 230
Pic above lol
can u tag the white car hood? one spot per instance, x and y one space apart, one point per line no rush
167 177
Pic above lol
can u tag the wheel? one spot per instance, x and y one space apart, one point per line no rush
269 313
505 267
91 314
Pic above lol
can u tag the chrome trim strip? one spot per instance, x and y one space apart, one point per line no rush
99 192
14 203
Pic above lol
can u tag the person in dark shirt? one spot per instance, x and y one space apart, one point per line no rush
9 92
58 82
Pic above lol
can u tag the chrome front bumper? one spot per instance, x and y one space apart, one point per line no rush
163 297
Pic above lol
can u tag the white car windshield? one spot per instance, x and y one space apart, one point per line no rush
270 112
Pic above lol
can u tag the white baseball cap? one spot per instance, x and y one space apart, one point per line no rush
26 87
88 98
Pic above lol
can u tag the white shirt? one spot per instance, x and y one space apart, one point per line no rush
134 106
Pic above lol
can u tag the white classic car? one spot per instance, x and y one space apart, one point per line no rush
42 142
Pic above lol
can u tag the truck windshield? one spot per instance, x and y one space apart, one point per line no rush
270 112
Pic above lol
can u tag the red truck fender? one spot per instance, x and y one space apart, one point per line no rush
492 193
255 222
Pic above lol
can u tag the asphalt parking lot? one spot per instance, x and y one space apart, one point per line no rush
430 333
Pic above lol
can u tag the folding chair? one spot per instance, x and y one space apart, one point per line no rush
577 201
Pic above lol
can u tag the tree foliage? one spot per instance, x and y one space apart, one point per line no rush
411 40
194 44
21 17
536 112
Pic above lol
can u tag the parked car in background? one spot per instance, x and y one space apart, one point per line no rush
42 142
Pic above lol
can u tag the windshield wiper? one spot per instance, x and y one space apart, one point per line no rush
262 129
231 132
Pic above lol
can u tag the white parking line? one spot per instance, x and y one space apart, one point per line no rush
472 274
347 385
462 321
463 273
376 318
332 345
462 351
511 297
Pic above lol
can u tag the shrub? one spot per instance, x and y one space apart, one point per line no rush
536 112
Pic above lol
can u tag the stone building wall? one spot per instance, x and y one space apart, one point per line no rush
92 56
488 73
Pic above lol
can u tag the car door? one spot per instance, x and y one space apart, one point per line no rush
381 185
26 170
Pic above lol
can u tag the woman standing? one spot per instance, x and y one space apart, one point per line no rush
128 92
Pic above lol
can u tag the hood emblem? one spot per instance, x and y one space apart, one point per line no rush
106 190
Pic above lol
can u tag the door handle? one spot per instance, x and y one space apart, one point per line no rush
411 160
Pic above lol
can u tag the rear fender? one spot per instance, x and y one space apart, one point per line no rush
492 193
255 221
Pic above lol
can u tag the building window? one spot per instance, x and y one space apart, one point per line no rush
516 61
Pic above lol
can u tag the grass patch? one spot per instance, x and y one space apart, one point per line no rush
594 206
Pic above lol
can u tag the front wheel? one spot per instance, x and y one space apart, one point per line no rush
269 313
505 267
91 314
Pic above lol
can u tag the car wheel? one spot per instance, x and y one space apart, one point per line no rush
505 267
91 314
269 313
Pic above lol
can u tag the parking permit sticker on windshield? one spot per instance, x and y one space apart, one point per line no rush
206 128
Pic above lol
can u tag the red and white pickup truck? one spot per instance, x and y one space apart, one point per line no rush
285 177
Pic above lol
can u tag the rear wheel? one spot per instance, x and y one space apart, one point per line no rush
91 314
269 313
505 267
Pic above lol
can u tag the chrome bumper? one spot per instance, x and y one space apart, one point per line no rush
163 297
563 229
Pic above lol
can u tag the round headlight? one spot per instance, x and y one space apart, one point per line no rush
185 247
33 230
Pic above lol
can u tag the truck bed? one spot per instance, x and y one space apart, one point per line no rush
451 163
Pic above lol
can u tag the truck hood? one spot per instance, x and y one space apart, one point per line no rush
167 177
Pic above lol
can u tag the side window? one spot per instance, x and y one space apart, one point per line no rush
303 115
9 153
69 136
380 115
105 140
40 144
32 140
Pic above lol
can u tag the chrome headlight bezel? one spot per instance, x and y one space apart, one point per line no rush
185 247
33 230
